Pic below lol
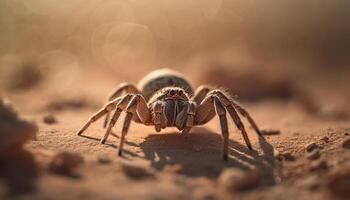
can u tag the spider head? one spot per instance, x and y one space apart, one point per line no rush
175 103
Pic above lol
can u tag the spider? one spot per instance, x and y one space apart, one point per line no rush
164 98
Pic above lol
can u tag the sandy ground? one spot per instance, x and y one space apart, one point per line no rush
167 165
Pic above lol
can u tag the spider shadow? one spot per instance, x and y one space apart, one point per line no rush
200 154
113 145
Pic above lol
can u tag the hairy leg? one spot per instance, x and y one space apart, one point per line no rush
201 93
227 102
244 113
136 103
204 112
107 108
122 88
120 106
221 112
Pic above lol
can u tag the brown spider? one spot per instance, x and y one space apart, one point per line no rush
166 99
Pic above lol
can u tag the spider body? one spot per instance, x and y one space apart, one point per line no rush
164 98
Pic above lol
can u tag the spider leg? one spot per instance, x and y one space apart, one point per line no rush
140 108
107 108
201 93
210 106
205 113
221 112
135 106
244 113
123 87
239 125
120 106
227 102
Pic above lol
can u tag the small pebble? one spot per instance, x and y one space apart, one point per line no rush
310 183
65 162
49 119
136 172
277 155
319 165
237 180
339 182
177 168
288 156
310 147
103 159
270 132
346 143
314 155
14 130
325 139
283 156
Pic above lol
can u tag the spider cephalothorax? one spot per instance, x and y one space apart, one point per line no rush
164 98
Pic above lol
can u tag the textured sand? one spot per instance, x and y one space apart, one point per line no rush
168 165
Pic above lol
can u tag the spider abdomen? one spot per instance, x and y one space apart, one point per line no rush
163 78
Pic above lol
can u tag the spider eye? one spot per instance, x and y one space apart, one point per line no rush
181 92
172 92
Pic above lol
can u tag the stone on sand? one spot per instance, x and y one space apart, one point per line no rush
237 180
14 131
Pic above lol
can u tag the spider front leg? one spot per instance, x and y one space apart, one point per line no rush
137 106
109 107
122 88
120 107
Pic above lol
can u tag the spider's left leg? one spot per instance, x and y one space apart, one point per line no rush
232 105
120 107
127 88
138 106
107 108
226 101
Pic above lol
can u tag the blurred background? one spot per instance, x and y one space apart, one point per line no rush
304 42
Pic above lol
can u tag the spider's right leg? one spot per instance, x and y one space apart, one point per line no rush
107 108
201 93
234 115
220 110
122 88
210 106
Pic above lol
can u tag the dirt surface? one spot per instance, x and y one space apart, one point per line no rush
166 165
